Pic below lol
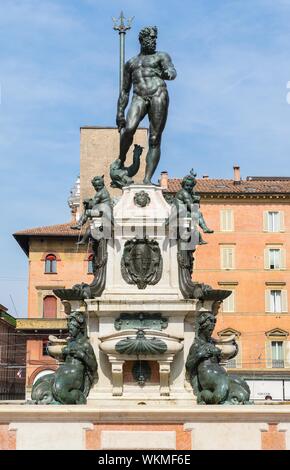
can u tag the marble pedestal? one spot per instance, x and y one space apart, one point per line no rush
142 213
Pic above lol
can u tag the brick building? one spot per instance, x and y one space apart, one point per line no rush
249 254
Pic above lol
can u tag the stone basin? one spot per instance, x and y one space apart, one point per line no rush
56 346
228 347
109 342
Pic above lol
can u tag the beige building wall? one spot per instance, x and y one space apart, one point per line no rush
249 277
72 268
99 148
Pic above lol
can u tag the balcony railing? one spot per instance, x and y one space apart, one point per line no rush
278 363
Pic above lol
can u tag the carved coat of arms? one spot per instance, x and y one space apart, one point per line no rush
141 262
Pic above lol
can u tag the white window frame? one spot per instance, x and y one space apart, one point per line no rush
227 220
271 303
227 255
229 304
271 225
280 362
276 300
273 221
276 254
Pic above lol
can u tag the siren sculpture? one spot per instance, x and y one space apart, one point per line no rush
210 381
72 381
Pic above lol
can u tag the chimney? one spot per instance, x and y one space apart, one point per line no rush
164 180
237 174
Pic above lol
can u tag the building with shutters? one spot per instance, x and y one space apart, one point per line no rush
249 254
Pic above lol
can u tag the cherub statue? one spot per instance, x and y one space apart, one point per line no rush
186 198
98 206
72 381
210 381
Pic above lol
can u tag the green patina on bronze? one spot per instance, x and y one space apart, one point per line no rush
141 345
141 263
147 73
121 176
71 383
98 206
187 202
210 381
152 321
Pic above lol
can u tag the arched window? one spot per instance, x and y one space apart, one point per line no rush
49 306
50 264
91 264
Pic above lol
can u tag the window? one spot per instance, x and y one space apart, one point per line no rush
274 221
277 349
91 264
227 220
229 303
49 306
227 257
50 264
276 301
274 258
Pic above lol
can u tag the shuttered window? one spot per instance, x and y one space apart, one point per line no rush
227 220
49 306
273 221
277 350
276 301
275 258
229 303
227 257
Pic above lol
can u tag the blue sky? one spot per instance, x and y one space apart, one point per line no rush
59 71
